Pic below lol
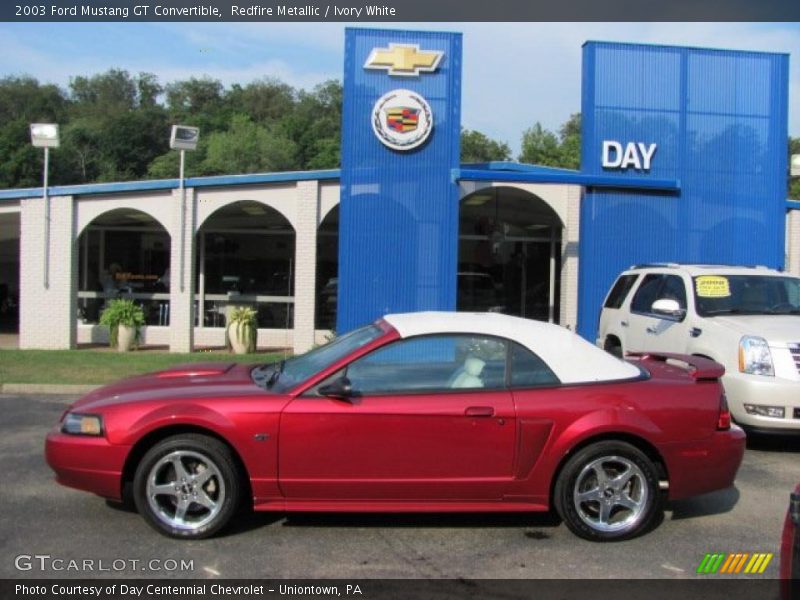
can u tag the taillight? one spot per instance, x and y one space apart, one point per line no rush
790 552
724 419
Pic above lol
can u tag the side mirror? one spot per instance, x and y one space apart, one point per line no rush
667 307
341 389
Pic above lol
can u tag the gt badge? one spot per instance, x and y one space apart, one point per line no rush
406 60
402 120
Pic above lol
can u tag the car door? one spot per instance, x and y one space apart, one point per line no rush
408 431
648 331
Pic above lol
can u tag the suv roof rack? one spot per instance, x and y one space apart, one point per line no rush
665 265
651 265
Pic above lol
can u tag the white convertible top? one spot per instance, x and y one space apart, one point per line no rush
572 359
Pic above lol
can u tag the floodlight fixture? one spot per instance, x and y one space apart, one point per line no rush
44 135
795 165
184 137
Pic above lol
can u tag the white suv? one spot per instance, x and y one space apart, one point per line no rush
747 318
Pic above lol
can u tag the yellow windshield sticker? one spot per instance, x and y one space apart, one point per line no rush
712 286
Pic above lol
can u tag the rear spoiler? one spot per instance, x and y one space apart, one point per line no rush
701 369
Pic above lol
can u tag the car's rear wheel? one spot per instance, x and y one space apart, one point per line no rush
608 491
187 486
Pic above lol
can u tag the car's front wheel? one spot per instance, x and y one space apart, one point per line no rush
608 491
187 486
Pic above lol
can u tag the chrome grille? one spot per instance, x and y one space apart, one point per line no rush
795 350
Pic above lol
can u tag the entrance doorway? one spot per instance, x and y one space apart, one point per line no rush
509 254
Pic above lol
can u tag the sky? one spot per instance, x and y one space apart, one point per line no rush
515 74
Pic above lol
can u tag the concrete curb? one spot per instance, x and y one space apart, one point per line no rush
45 388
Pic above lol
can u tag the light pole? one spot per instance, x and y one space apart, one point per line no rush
183 138
45 135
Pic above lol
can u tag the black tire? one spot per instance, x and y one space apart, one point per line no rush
188 486
623 508
613 347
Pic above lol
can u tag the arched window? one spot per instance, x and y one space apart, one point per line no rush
245 257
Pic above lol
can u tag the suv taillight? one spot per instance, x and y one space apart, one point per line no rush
724 419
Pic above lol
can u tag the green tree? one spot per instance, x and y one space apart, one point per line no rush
23 100
247 147
478 148
570 142
315 127
540 146
265 100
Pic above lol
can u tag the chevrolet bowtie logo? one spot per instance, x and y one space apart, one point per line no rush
404 59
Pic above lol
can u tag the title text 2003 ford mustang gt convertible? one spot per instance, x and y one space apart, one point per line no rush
417 412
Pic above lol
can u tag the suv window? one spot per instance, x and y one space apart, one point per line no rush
647 293
620 291
656 286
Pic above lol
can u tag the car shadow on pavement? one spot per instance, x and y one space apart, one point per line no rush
773 442
715 503
433 520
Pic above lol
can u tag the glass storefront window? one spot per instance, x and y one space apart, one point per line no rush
327 270
245 257
124 254
509 254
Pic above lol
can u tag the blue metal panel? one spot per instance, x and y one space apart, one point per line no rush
569 178
399 210
719 119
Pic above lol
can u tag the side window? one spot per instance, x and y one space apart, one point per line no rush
431 363
674 289
618 293
528 370
647 293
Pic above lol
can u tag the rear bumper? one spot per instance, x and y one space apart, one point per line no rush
705 465
86 463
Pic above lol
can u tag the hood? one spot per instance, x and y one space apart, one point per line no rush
778 330
180 382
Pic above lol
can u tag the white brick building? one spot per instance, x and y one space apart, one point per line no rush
268 241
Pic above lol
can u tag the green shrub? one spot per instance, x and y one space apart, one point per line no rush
122 312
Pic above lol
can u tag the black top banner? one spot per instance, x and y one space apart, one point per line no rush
398 10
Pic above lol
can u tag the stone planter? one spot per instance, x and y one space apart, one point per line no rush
126 336
238 342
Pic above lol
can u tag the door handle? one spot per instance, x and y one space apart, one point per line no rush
651 330
479 411
623 323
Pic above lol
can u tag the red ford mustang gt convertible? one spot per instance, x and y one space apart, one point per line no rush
416 412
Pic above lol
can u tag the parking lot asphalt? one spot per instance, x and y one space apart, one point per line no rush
41 518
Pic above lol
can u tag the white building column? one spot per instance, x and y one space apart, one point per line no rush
48 301
793 242
182 258
569 259
305 270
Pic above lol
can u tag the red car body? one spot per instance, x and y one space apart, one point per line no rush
790 549
471 450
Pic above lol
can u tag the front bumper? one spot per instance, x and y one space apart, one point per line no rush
706 465
741 389
86 463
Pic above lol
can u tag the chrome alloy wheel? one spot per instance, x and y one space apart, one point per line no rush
185 490
611 494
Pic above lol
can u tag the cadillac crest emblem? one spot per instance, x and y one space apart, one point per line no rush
402 120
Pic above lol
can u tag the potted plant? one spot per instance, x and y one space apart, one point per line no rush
124 320
242 329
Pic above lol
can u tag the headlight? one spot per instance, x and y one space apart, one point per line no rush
754 356
77 424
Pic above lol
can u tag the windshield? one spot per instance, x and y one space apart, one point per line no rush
293 371
746 295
